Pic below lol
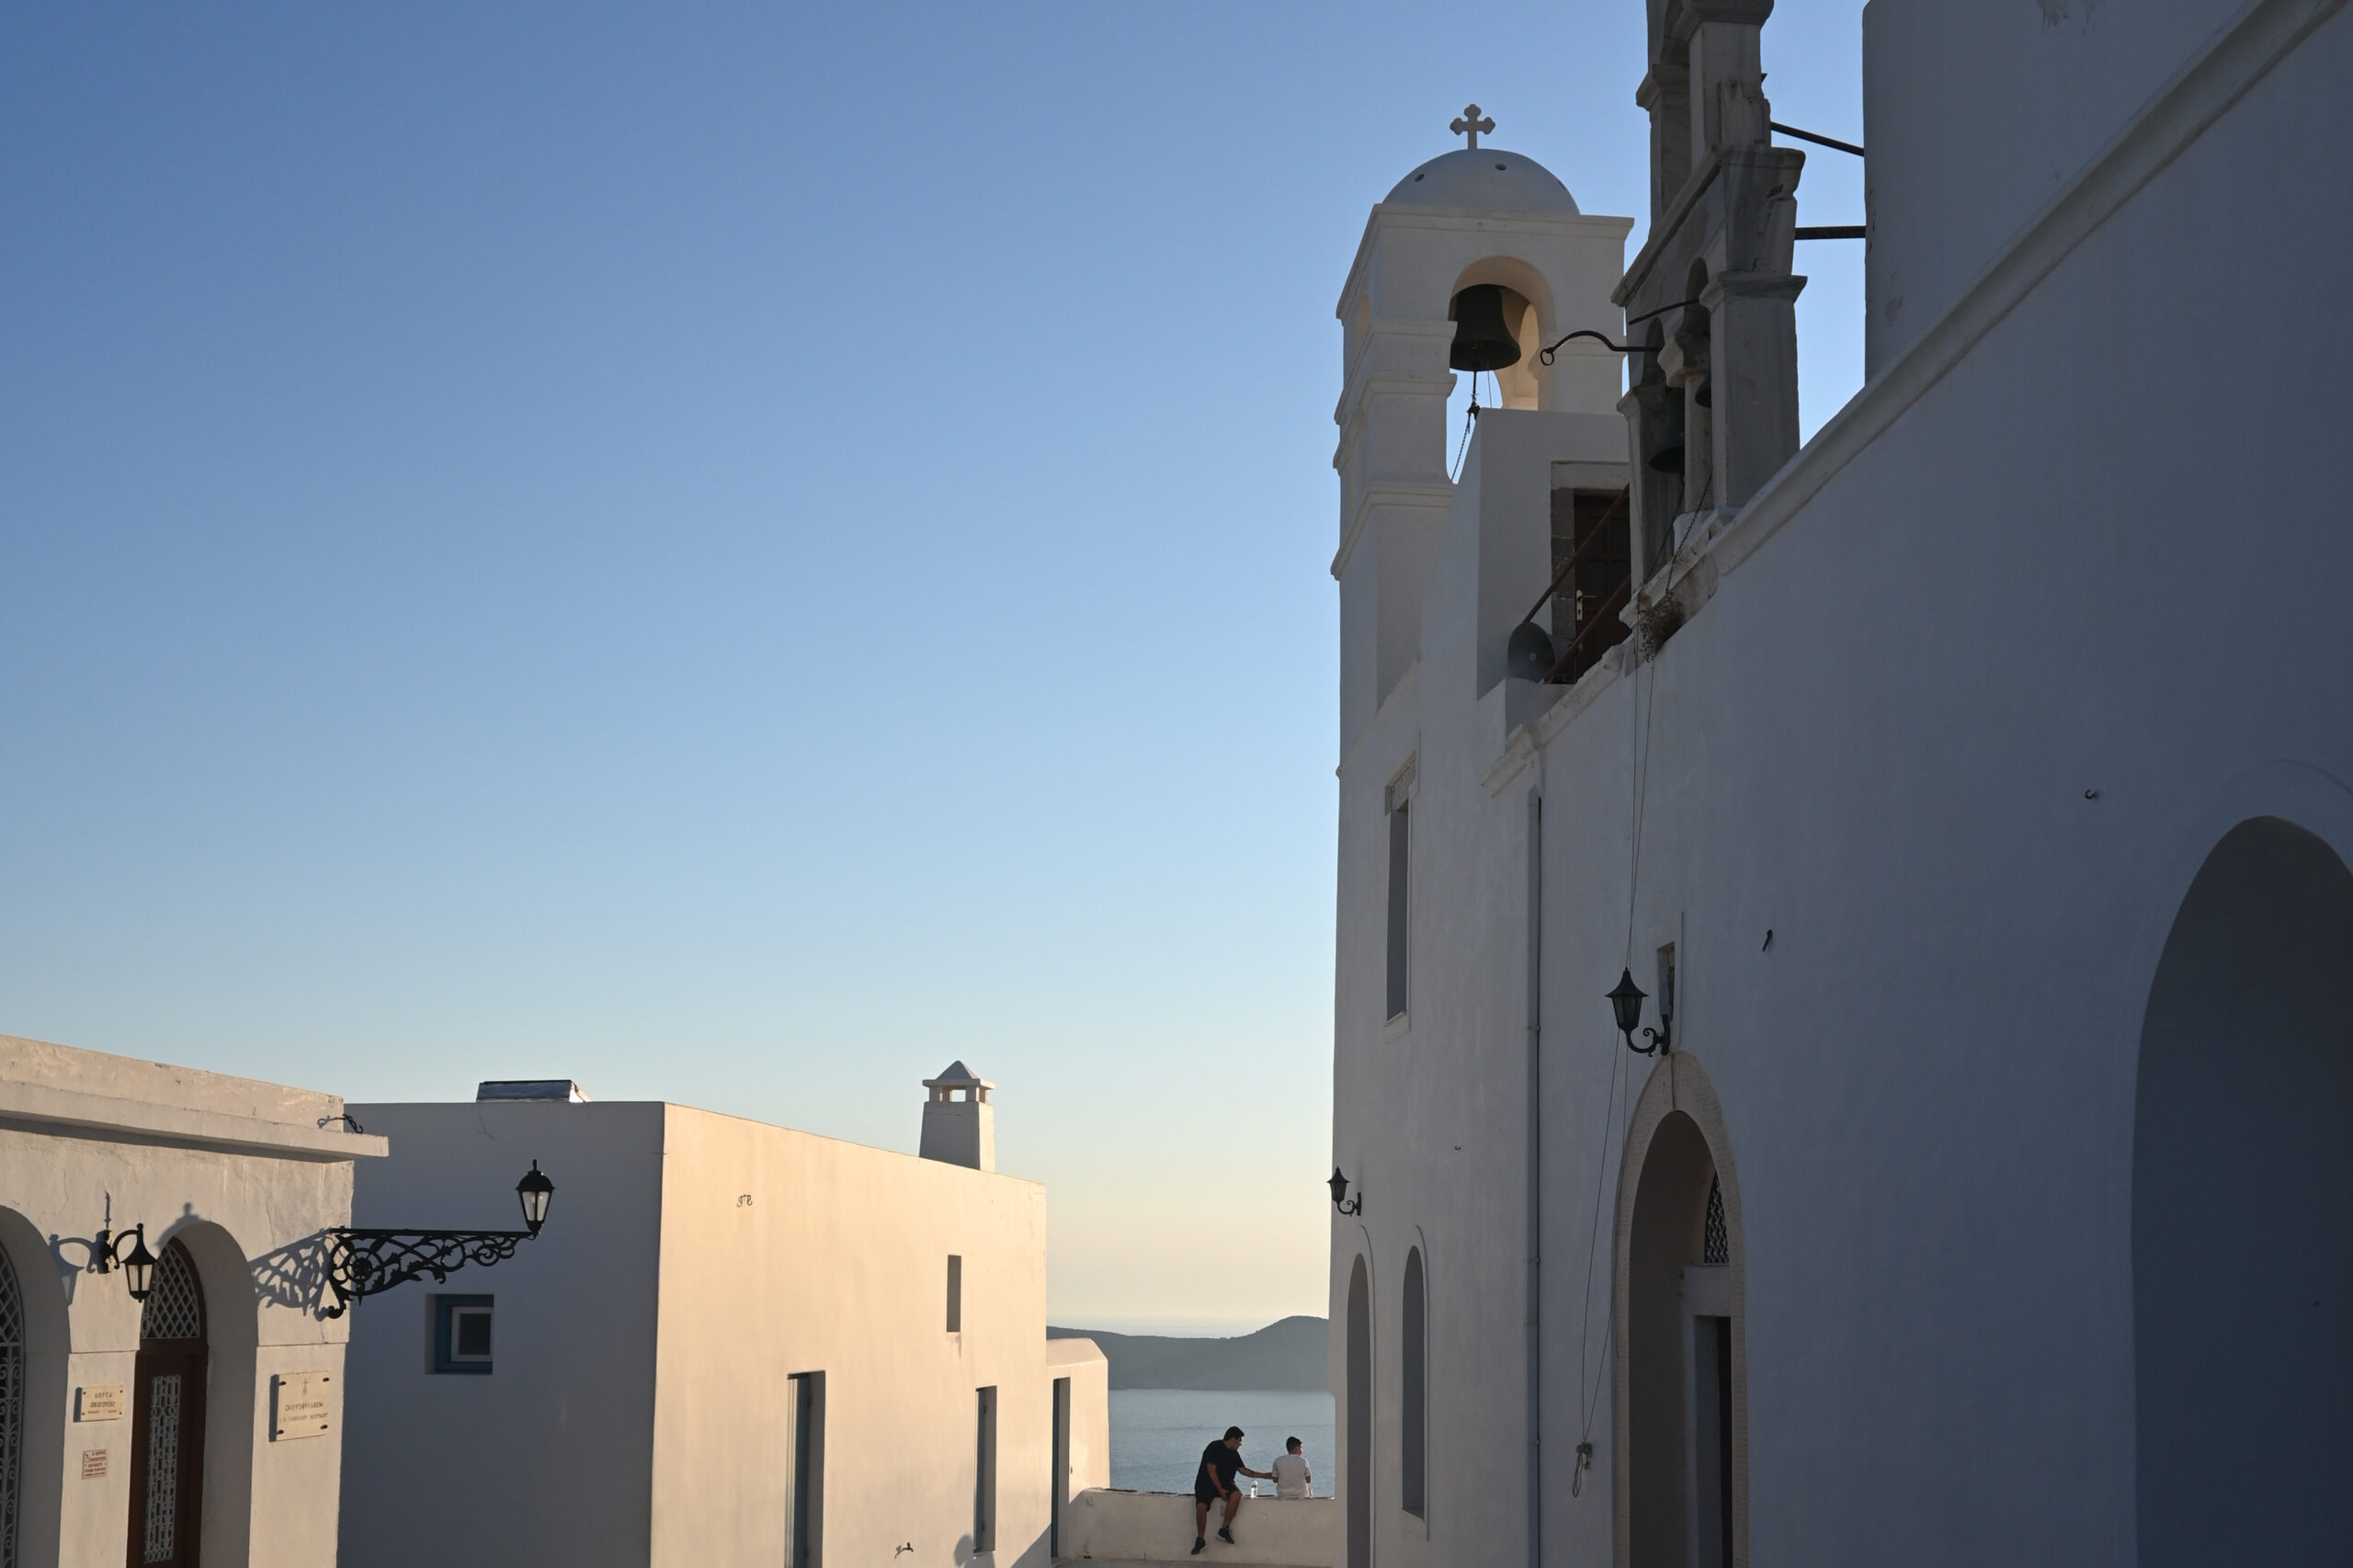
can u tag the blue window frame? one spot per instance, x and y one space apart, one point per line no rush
461 1340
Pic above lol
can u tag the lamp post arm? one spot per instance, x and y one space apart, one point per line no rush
368 1263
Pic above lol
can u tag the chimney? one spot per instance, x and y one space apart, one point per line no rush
958 1123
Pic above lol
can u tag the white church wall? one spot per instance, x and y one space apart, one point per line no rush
244 1175
1976 116
1964 699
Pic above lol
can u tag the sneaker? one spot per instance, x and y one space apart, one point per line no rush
1227 1535
1199 1546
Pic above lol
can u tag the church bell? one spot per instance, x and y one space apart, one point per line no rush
1481 341
1667 456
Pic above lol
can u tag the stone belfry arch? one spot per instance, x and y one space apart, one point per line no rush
1712 411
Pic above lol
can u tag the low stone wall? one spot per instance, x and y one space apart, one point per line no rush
1157 1526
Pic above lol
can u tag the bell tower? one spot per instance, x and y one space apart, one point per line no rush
1712 411
1475 261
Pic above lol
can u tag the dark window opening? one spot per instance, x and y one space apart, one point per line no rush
1413 1416
462 1332
984 1475
1397 908
955 1294
1593 561
806 1535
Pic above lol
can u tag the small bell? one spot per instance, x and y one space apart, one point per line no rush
1481 341
1667 456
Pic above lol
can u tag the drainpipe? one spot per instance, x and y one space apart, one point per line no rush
1535 1170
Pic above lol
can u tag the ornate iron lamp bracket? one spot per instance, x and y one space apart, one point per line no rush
369 1263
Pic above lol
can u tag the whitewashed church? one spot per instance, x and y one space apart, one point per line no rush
1843 1027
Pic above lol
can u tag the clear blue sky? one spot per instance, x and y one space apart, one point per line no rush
737 553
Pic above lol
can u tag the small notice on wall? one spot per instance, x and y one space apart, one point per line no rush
94 1464
98 1403
301 1406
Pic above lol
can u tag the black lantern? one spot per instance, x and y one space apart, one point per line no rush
537 1192
1626 1001
1339 1186
139 1268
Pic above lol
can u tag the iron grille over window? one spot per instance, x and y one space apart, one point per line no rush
175 1309
1717 1249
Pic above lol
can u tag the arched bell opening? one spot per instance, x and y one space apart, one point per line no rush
1501 311
2242 1237
1357 1476
1684 362
1658 436
1681 1363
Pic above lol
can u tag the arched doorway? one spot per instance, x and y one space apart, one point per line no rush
1359 1376
1681 1476
2242 1235
167 1424
12 1409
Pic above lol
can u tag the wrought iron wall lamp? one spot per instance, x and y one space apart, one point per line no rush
1339 1186
368 1263
1626 1000
138 1269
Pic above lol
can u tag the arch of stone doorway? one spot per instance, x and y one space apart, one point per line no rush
2239 1227
1677 1113
233 1336
41 1275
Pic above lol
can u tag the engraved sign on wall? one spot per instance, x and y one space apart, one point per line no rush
94 1464
103 1403
301 1406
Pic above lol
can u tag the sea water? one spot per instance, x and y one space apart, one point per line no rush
1157 1435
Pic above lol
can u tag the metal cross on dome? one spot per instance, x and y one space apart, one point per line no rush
1470 124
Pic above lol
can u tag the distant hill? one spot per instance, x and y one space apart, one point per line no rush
1287 1354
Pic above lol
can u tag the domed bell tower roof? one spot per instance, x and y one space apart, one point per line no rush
1486 177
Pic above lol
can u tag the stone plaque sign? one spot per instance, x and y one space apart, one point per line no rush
98 1403
302 1404
94 1464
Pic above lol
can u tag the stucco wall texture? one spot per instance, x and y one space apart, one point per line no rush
692 1265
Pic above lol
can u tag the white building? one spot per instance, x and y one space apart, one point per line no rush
733 1343
201 1425
1975 789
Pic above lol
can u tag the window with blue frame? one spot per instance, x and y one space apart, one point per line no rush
461 1333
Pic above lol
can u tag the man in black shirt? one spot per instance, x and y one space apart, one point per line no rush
1221 1462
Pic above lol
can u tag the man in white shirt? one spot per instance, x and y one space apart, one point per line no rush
1293 1478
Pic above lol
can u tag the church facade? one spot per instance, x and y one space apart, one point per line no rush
1843 997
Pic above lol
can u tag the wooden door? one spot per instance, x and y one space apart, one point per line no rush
168 1419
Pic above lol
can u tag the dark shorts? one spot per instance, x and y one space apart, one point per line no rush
1205 1493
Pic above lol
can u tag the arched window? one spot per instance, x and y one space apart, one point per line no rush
12 1409
1358 1415
1413 1418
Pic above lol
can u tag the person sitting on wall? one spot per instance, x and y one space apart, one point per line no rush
1221 1462
1293 1478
